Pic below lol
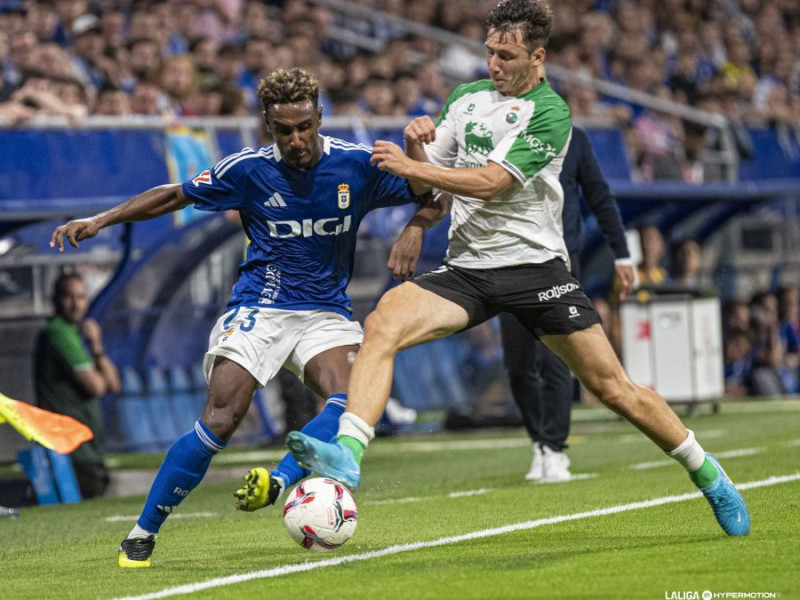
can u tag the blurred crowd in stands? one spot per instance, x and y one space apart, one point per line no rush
172 58
761 335
740 58
762 344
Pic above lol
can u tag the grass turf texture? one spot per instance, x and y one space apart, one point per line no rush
68 552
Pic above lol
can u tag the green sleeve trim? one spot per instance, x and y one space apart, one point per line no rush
544 138
482 85
64 339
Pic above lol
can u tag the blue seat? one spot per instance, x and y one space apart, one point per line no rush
159 401
186 405
135 421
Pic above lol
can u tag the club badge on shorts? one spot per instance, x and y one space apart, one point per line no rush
344 195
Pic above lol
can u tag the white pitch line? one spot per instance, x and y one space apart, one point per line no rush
197 515
191 588
468 493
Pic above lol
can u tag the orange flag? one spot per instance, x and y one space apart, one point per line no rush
57 432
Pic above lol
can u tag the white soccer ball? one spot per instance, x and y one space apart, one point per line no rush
320 514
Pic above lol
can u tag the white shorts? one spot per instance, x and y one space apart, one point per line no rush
262 340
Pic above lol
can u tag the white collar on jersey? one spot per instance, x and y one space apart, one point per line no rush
326 147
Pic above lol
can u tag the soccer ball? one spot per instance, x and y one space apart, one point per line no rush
320 514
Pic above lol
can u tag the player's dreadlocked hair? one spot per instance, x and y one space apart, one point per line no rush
287 87
532 17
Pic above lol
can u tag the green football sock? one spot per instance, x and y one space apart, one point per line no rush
705 475
356 447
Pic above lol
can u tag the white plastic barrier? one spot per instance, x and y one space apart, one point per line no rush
673 344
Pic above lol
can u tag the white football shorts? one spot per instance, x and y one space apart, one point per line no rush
262 340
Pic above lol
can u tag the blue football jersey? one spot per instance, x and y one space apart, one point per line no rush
302 224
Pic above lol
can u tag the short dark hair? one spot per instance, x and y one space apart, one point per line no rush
288 86
60 284
532 17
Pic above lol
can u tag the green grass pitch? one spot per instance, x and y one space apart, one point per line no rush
422 489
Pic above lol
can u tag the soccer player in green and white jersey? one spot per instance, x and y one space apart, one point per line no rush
498 148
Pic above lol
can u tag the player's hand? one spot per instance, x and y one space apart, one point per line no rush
74 231
626 279
405 252
388 156
421 130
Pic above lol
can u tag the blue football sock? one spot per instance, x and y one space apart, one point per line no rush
183 469
323 427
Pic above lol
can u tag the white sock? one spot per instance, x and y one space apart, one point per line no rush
355 427
138 532
690 454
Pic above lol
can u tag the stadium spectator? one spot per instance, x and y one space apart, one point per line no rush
177 77
377 97
650 271
789 313
53 60
685 265
71 374
144 58
43 21
92 66
766 377
738 364
112 101
21 57
56 96
148 99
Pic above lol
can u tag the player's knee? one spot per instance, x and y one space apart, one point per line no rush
223 420
380 328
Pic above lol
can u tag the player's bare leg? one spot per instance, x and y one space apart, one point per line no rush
231 389
591 358
326 374
406 316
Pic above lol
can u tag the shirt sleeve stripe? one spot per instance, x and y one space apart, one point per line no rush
225 169
225 161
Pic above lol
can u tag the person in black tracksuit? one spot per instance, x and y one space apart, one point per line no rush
540 382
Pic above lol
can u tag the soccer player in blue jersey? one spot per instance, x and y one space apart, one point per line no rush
301 200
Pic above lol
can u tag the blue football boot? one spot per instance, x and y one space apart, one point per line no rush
727 503
326 459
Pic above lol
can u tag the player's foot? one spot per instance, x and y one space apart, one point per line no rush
260 489
135 552
535 474
329 460
727 503
555 466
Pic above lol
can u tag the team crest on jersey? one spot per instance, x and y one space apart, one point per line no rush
204 177
512 117
344 195
478 139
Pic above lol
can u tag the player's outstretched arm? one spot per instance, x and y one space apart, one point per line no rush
153 203
484 183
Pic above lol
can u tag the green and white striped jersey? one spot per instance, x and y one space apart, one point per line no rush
527 135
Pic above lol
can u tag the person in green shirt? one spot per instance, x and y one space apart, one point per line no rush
72 372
